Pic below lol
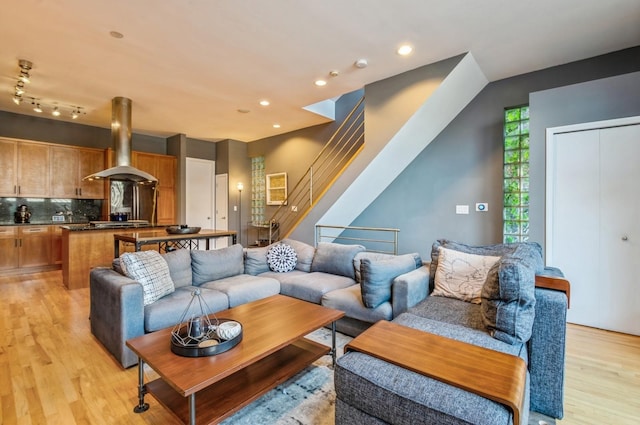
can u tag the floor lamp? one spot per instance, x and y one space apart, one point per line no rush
240 186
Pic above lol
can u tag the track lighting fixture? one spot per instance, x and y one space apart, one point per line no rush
25 67
20 89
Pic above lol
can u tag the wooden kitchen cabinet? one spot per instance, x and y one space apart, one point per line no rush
25 168
8 167
25 247
9 247
34 246
165 205
162 167
69 165
56 244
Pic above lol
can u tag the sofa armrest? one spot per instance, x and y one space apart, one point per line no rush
547 352
116 312
409 289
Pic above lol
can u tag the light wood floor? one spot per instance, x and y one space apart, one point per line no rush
53 371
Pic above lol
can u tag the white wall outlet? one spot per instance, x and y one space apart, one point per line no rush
462 209
482 206
294 208
235 208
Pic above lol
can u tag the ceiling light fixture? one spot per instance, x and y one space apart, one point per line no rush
276 125
25 67
116 34
38 104
265 102
405 50
334 73
320 83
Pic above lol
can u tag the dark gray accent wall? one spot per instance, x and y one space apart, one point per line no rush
201 149
40 129
463 165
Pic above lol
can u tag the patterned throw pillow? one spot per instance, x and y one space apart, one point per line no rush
282 258
150 270
460 275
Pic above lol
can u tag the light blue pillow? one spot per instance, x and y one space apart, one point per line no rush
255 260
335 258
378 275
217 264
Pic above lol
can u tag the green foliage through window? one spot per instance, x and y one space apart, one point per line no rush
516 175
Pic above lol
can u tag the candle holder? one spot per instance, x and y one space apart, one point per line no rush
202 334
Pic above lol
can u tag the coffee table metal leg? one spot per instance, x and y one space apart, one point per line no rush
192 409
333 343
142 389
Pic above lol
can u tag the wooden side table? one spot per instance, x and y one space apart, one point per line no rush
491 374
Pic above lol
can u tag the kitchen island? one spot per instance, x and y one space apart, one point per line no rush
85 246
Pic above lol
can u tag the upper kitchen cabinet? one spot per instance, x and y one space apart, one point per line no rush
24 168
69 165
162 167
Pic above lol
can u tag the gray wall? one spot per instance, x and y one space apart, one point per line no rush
294 152
464 164
28 127
607 98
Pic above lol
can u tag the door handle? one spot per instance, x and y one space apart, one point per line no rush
625 238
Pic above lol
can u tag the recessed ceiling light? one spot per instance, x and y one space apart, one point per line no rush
276 126
116 34
320 83
265 102
244 111
405 50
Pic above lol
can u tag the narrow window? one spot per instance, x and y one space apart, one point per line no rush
516 175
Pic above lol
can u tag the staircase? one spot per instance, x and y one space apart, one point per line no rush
331 161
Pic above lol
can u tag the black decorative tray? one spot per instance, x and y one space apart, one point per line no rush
208 345
180 230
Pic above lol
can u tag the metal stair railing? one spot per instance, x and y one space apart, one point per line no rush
330 162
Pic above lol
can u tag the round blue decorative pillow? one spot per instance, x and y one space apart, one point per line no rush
282 258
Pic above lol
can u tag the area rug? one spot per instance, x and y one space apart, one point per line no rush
308 398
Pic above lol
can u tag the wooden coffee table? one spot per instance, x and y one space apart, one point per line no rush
272 350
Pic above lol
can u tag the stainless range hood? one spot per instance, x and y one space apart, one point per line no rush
121 139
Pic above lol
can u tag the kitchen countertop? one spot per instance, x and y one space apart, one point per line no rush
82 226
88 227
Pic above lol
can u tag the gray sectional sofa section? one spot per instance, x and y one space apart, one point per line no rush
232 276
532 324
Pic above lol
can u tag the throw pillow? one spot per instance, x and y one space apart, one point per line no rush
255 260
304 253
217 263
151 271
508 295
460 275
335 258
378 275
281 258
497 250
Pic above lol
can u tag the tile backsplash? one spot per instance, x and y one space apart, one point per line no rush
43 209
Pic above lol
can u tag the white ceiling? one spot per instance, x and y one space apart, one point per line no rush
189 65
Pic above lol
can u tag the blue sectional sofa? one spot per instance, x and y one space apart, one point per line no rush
327 275
514 317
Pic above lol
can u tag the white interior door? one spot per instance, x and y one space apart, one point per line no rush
222 207
200 193
593 231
